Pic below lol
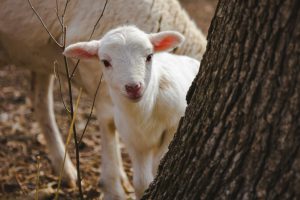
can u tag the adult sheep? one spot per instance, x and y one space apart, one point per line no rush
25 43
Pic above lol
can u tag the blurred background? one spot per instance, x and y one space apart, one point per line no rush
21 139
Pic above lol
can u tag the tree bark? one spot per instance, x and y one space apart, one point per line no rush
240 136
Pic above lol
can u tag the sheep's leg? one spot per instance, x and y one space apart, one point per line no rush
113 176
44 112
142 171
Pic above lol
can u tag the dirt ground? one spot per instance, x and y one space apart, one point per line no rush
21 140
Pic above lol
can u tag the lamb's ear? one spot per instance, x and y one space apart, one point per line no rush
166 40
83 50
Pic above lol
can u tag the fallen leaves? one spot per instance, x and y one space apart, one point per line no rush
21 141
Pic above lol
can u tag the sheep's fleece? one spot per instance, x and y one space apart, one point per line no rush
25 43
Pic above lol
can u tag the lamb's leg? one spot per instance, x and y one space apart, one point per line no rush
112 171
44 112
142 163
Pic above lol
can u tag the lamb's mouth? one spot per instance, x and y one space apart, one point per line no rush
134 98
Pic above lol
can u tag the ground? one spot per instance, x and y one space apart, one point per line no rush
21 140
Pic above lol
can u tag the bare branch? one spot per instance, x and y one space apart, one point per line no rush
74 131
98 20
37 182
76 65
57 15
60 88
56 3
64 12
44 25
64 36
69 77
92 108
67 144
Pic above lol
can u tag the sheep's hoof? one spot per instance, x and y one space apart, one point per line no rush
69 181
72 183
111 193
69 177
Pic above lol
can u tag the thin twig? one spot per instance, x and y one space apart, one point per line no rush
66 5
41 20
76 65
91 112
37 178
60 88
63 45
71 110
63 23
57 15
56 3
67 143
64 30
72 114
59 19
98 86
98 20
74 127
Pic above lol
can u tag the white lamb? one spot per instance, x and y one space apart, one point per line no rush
148 88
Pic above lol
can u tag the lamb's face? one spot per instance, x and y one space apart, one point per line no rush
126 58
126 54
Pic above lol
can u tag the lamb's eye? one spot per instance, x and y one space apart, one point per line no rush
149 58
106 63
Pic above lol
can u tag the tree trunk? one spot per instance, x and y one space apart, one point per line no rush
240 136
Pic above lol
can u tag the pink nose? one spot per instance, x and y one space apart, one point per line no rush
133 89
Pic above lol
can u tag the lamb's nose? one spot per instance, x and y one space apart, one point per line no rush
133 88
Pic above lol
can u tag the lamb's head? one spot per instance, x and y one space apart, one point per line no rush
126 56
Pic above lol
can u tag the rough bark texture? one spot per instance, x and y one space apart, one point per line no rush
240 137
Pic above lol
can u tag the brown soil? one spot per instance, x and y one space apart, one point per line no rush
21 140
